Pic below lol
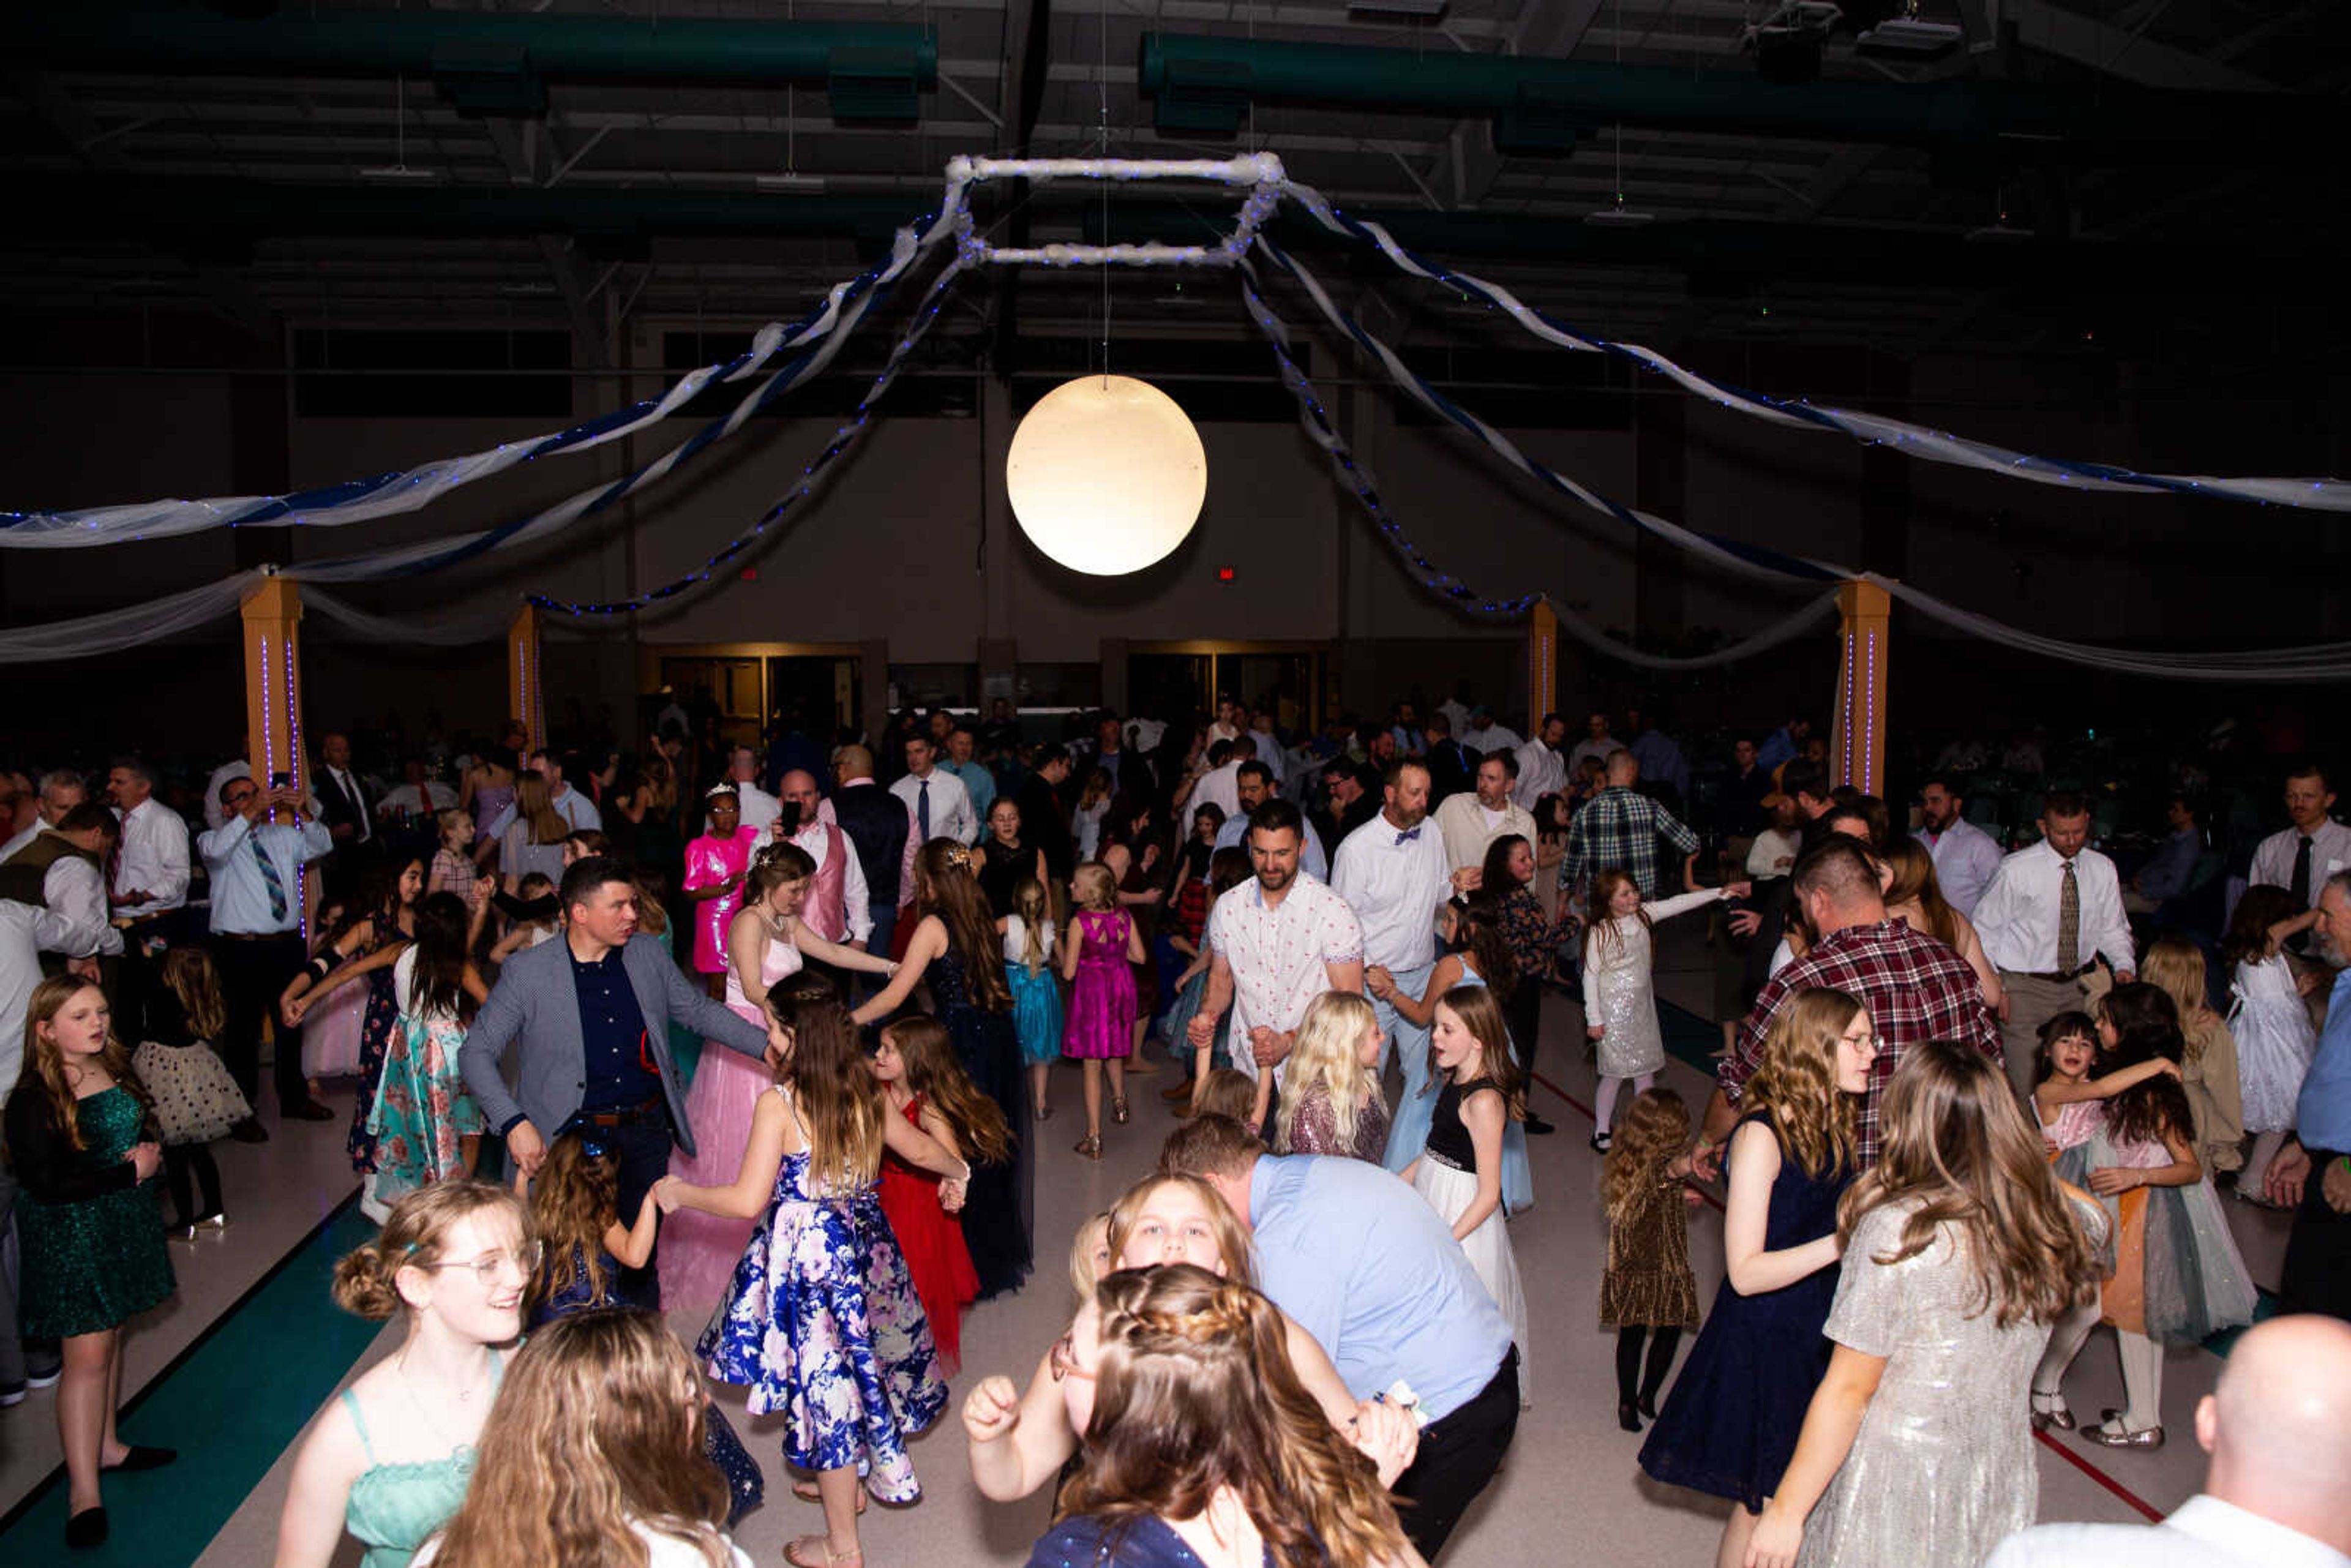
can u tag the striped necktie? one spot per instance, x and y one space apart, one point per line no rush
270 878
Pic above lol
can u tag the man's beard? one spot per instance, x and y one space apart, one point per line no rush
1275 878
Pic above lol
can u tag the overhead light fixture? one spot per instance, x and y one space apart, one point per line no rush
1106 474
1618 218
402 174
1788 44
790 184
1909 35
1399 7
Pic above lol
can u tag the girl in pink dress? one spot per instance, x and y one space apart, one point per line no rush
715 865
1097 960
766 943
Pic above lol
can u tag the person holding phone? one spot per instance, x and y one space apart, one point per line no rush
254 860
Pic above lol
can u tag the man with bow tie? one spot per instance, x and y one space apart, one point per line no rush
1393 874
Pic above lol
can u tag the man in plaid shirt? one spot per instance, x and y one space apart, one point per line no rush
1916 988
1619 827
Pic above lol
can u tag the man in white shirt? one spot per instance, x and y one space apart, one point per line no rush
2278 1428
1254 782
1221 785
2302 857
149 887
1275 942
1484 734
1596 742
570 804
759 809
1456 715
256 865
1542 770
1232 720
62 870
1392 872
418 794
937 798
1472 821
2050 912
837 906
1965 855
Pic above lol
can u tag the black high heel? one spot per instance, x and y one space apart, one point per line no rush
1628 1416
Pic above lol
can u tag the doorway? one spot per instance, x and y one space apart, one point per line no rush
1285 678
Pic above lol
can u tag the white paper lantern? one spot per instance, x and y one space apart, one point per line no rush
1106 474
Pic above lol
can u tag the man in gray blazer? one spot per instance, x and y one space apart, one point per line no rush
589 1017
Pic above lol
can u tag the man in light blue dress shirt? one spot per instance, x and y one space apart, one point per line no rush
254 865
1373 1273
2312 1172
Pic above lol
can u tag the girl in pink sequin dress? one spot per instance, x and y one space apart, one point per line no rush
715 865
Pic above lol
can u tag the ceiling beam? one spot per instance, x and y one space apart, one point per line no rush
2120 51
517 144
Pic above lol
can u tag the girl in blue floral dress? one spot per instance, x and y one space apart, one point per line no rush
821 1321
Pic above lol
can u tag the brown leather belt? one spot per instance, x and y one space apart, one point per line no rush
625 1118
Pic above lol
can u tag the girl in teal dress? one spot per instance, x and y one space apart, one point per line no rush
82 1139
389 1458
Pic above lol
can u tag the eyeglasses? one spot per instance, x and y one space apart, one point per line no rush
1065 1359
486 1267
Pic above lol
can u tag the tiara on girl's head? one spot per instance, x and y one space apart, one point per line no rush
959 857
723 786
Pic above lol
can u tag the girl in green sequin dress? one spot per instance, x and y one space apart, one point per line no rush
83 1140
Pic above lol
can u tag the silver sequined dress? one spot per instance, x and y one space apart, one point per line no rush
1942 1468
1618 994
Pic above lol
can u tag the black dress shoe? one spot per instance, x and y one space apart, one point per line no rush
1536 1127
86 1529
250 1131
142 1457
311 1111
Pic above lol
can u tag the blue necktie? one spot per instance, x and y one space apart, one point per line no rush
1407 837
269 877
922 812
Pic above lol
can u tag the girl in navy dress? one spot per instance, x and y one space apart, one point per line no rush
1731 1424
821 1321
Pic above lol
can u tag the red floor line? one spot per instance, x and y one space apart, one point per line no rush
2152 1512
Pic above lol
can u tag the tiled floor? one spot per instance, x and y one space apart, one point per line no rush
1571 1475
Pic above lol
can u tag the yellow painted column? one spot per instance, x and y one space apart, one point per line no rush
272 680
526 686
1857 738
1542 664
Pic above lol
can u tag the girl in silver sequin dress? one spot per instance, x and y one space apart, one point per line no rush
1620 1002
1960 1250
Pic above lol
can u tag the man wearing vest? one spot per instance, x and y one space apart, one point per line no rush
62 869
838 905
881 829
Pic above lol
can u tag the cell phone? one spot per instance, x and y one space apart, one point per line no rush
281 780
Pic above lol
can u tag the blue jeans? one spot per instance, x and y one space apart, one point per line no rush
1409 1133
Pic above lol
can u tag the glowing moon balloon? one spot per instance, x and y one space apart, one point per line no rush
1106 474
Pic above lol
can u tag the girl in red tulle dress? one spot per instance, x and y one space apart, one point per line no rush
916 1065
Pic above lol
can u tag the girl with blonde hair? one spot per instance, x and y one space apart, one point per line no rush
1332 1105
1200 1445
390 1459
534 840
1730 1425
1961 1251
821 1321
1098 952
593 1457
2208 1063
81 1136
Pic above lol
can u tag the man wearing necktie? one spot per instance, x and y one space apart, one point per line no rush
346 811
1392 871
256 865
2047 915
940 804
2312 848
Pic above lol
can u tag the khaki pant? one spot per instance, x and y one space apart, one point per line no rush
2032 1002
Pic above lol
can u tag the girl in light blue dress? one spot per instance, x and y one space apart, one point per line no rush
1037 1008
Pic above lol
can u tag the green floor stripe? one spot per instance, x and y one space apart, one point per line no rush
230 1404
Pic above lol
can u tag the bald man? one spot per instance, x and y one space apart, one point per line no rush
2277 1491
881 830
837 905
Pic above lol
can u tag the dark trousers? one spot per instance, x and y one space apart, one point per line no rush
254 973
2317 1276
1522 1015
139 971
183 1162
643 1151
1459 1456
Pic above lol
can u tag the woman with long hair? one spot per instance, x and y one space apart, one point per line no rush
766 943
1333 1104
1915 897
533 842
1507 879
594 1457
426 1125
821 1321
1200 1445
1960 1250
389 1460
357 1027
2208 1066
956 951
488 787
1729 1424
82 1137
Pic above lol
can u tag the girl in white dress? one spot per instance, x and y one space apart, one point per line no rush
2274 1040
1620 1002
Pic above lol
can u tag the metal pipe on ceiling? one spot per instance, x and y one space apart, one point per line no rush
1197 80
706 51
